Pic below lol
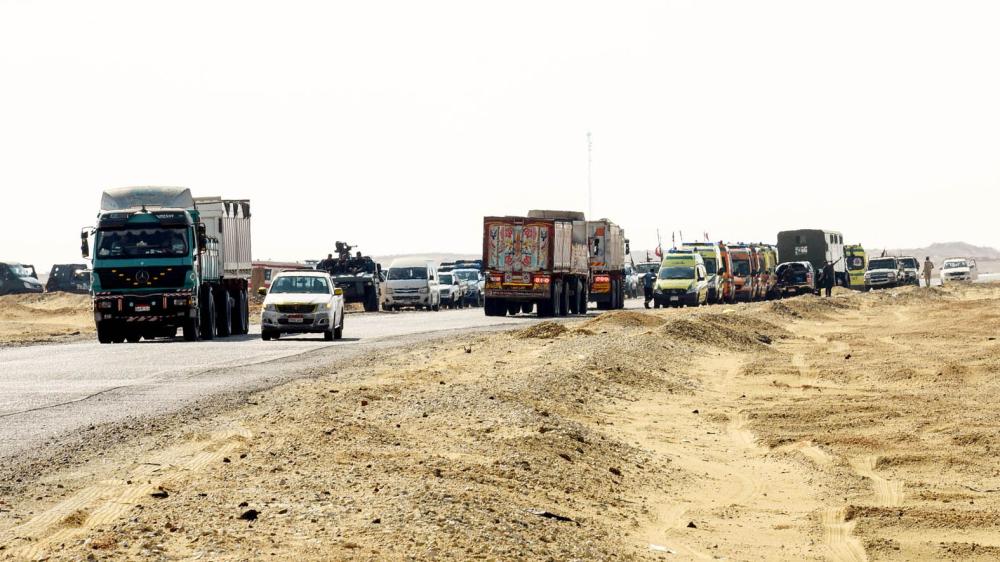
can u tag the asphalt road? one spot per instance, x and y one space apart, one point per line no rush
50 390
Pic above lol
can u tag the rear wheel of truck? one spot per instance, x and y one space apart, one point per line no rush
494 307
241 312
527 307
371 300
223 314
564 301
133 337
513 308
207 310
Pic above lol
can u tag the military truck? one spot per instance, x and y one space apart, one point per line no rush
359 276
607 247
68 278
816 247
164 260
540 260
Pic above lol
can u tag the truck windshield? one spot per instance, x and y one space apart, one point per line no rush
710 266
142 243
300 284
882 264
741 267
407 273
677 272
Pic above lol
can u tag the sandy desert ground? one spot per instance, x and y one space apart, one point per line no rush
48 317
861 427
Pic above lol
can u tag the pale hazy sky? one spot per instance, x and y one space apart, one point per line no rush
398 125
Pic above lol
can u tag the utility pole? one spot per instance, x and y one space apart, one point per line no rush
590 185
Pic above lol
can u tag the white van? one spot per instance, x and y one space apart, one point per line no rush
412 282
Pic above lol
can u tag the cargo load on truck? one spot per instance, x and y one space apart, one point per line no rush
164 260
607 247
538 262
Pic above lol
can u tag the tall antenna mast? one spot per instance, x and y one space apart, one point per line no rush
590 185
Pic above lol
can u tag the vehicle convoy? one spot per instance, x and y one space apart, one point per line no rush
607 247
359 276
68 278
538 262
816 247
744 276
712 256
796 278
16 278
911 270
412 282
883 272
165 260
959 269
452 290
857 263
682 280
302 301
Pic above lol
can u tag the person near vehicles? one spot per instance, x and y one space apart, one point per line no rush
327 264
928 267
827 278
648 281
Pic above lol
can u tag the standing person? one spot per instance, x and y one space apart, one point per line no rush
327 264
928 267
648 281
829 276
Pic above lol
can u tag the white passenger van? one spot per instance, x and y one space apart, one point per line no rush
412 282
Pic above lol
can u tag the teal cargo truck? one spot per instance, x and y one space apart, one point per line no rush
163 260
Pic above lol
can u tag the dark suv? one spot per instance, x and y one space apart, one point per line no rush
16 278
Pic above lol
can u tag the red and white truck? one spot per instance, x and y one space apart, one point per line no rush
538 260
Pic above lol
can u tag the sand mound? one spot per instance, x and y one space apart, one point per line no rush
725 331
810 307
46 304
542 330
624 319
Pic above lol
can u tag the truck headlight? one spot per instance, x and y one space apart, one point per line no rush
180 302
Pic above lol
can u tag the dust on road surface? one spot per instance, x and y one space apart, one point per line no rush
859 427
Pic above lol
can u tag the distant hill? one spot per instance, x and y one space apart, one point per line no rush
941 250
436 257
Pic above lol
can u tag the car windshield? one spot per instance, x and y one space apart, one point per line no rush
952 264
909 263
741 267
142 243
882 264
710 266
855 263
648 267
19 270
467 275
407 273
677 272
446 279
300 284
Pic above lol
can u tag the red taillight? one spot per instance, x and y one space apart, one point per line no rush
496 278
542 279
602 279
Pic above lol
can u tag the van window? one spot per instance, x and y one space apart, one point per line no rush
677 272
710 266
407 273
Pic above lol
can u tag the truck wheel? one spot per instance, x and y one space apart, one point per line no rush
494 307
104 332
241 313
224 314
207 319
266 336
564 299
133 337
338 332
191 329
371 300
527 307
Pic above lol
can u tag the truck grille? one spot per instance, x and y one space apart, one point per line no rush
295 308
154 277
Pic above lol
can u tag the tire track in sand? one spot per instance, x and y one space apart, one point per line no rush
105 502
888 493
838 533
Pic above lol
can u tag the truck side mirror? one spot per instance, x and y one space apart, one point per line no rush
85 244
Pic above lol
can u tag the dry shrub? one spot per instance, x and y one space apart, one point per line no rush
542 330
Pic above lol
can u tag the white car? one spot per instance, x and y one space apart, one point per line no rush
959 269
452 290
302 302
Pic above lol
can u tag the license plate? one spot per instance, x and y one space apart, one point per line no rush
142 308
295 319
517 278
675 298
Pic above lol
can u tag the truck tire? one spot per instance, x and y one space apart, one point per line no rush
371 300
564 299
133 337
105 333
223 313
513 308
527 307
191 329
241 312
207 314
494 307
